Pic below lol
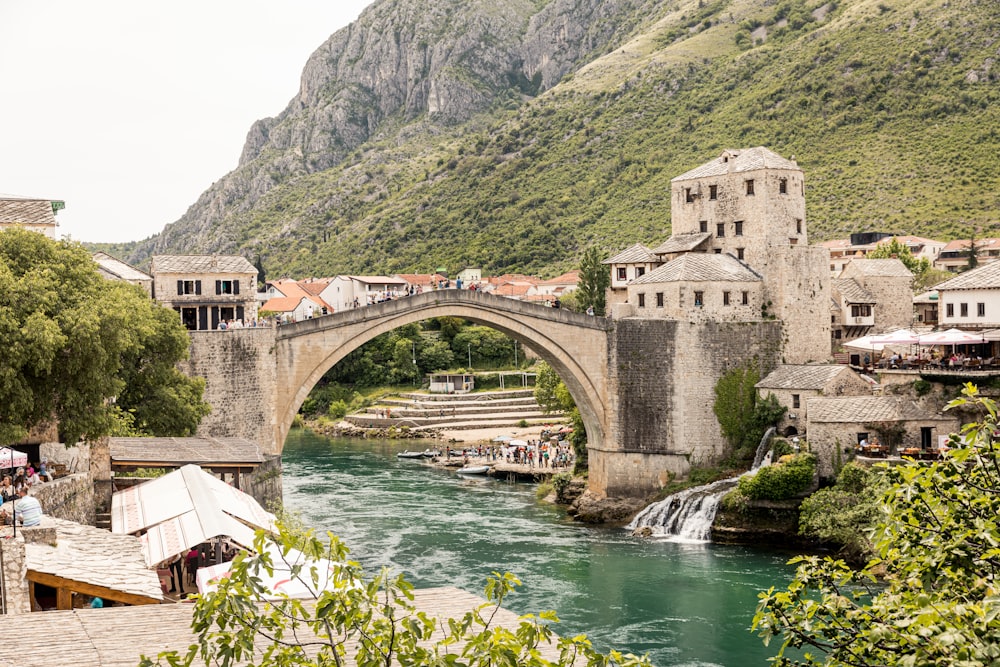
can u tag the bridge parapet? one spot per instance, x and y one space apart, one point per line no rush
438 299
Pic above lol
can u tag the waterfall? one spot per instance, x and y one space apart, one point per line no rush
688 515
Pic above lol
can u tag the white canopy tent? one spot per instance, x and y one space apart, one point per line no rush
182 509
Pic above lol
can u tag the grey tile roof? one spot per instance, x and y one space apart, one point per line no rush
865 409
986 276
181 451
26 211
700 267
94 556
634 254
802 376
881 268
201 264
119 268
852 292
732 160
681 243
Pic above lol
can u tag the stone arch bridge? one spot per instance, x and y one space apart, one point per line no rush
644 386
574 345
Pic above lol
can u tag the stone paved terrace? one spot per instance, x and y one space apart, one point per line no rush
117 636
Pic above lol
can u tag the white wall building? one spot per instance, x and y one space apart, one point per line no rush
972 299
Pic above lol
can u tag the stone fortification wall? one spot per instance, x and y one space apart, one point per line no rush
239 368
663 373
70 498
798 286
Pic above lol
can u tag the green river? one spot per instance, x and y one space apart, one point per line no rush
684 604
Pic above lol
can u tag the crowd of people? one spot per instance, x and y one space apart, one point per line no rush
535 453
16 503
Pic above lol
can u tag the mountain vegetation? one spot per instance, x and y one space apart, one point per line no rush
456 134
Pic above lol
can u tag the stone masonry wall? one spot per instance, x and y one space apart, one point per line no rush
664 373
265 483
239 369
70 498
14 573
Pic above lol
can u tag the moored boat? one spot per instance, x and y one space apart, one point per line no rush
474 470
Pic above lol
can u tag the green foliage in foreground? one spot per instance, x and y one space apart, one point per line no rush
360 620
97 356
843 515
782 480
931 595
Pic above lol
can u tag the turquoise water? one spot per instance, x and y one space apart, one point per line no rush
684 604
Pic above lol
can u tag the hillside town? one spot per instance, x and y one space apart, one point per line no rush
855 340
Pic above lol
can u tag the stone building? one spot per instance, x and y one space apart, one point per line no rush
874 296
631 263
38 215
971 300
837 425
748 207
206 289
113 268
793 385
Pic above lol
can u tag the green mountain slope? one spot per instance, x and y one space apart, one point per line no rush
890 107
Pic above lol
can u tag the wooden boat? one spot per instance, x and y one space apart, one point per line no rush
474 470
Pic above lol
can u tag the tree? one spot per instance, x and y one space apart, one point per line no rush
75 344
930 596
895 249
361 621
742 416
595 278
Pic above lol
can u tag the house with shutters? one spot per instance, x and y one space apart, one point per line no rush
206 289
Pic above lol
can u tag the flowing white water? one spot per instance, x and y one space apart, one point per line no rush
687 516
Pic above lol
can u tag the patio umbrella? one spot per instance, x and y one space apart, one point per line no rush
951 337
501 438
11 458
870 342
898 337
517 443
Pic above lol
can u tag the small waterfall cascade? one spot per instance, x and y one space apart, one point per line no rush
687 516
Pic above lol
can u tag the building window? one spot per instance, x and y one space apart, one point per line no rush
795 401
640 271
642 300
980 310
227 287
739 254
750 186
713 192
861 310
725 298
659 299
621 273
688 196
189 287
798 226
720 229
837 333
949 310
718 251
739 227
783 190
703 226
963 309
699 299
746 298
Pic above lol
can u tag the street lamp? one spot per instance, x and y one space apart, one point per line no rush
470 356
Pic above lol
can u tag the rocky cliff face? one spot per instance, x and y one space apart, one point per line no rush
404 62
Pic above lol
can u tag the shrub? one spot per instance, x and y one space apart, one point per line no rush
780 481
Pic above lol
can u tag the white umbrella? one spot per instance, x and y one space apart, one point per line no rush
501 438
951 337
11 458
280 582
898 337
517 443
870 342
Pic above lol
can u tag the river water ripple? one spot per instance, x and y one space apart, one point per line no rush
684 604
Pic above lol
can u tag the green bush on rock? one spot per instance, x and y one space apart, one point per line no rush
782 480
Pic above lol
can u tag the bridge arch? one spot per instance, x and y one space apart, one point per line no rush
575 345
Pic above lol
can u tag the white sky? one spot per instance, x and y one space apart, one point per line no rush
128 110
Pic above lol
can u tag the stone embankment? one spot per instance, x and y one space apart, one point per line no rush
427 415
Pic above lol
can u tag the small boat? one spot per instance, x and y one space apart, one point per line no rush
474 470
426 454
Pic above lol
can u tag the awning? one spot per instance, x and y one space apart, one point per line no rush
182 509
